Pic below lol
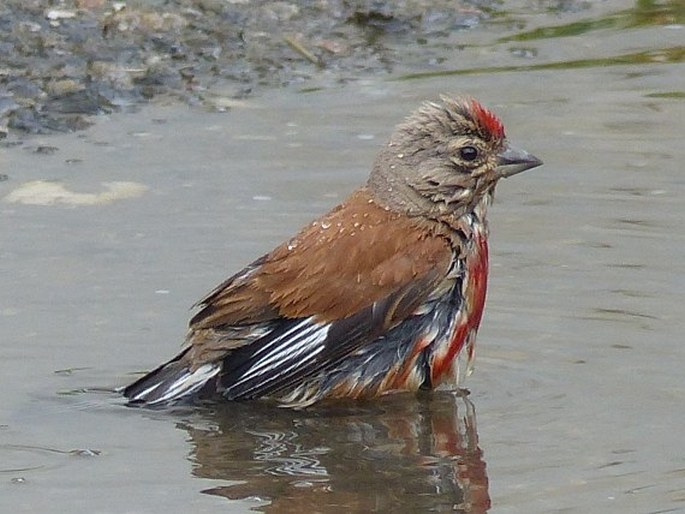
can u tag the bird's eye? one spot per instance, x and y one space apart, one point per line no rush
468 153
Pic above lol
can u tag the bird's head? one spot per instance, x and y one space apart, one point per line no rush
445 158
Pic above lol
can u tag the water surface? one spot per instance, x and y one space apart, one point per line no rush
578 390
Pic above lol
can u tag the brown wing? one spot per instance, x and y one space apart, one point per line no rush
352 257
339 284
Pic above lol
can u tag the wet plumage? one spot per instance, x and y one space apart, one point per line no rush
384 293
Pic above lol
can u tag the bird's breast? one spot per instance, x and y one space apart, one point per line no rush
452 354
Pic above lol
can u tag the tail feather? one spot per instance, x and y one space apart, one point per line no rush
170 382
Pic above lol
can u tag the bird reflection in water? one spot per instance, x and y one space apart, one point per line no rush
399 454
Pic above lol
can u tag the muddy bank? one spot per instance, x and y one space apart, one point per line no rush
67 62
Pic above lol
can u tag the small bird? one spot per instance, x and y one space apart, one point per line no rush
382 294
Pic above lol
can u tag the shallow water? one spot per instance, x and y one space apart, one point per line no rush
578 391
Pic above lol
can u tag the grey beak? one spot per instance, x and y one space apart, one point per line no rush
513 160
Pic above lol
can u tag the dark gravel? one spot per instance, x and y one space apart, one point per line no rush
61 63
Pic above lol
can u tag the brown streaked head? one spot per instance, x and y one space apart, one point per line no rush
444 158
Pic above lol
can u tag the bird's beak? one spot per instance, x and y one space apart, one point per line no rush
511 161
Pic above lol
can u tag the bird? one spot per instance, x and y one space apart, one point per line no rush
382 294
